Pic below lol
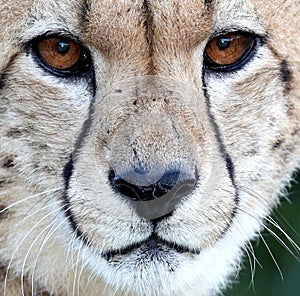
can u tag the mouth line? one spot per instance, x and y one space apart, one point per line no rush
153 243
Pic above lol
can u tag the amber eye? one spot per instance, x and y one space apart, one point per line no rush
230 51
61 55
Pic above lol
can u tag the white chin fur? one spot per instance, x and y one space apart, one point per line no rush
172 273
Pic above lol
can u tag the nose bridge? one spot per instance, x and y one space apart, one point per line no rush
147 146
155 121
148 115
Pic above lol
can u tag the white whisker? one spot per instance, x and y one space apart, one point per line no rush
272 256
36 212
80 273
296 247
28 252
287 223
275 224
75 267
19 245
51 231
248 249
28 198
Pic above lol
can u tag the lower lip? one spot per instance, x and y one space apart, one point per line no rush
151 247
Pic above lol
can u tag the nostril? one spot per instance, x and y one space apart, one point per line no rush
122 186
145 193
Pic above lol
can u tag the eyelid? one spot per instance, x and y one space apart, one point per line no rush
42 29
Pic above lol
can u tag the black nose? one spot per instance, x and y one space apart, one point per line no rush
155 200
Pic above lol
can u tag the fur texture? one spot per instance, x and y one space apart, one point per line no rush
147 101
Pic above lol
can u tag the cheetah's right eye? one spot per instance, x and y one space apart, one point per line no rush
61 56
230 51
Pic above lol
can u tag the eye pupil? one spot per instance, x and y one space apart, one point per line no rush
223 43
62 47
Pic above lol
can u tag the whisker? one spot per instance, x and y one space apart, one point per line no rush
75 274
27 254
19 245
261 199
252 193
36 212
28 198
248 249
266 245
291 241
51 231
70 247
275 224
272 256
287 223
80 274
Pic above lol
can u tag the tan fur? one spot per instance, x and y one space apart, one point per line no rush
151 96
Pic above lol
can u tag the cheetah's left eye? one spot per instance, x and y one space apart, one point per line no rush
230 51
61 56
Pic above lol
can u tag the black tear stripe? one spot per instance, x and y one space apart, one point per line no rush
69 166
222 148
67 173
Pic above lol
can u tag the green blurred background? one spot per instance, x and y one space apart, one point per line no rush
267 280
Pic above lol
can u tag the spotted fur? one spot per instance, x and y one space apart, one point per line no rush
147 99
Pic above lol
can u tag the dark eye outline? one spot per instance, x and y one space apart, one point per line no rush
82 66
239 64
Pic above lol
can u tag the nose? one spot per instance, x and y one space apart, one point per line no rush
158 199
146 193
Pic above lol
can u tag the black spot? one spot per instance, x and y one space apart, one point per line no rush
277 144
8 162
118 91
2 80
3 212
285 72
14 133
286 75
208 3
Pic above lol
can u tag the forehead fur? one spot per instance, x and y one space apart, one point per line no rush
109 24
161 33
281 22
